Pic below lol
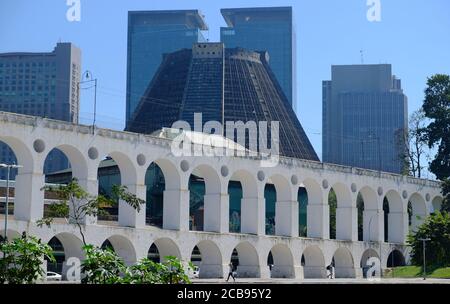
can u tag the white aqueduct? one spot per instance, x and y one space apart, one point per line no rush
32 138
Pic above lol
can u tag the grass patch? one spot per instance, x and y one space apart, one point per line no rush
416 272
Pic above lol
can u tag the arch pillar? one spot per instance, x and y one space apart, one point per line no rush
373 227
129 216
176 209
286 218
347 222
90 185
253 210
318 218
29 198
398 219
216 217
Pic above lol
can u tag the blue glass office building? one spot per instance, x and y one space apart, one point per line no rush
364 116
150 35
268 29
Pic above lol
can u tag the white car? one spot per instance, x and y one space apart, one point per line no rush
53 276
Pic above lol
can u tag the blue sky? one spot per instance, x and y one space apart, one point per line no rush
413 36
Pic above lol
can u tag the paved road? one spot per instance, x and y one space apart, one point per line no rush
323 281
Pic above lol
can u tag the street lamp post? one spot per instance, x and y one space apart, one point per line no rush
424 263
89 79
8 170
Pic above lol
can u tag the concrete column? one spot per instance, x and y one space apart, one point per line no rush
253 216
176 209
286 218
347 223
264 272
318 221
29 198
314 272
91 186
250 271
213 271
216 217
128 216
286 271
373 227
397 227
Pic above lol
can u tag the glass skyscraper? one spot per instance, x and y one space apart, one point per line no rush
41 84
268 29
364 116
150 35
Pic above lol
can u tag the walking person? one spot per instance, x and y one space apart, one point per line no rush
330 268
231 272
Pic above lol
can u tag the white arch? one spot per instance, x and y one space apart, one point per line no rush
370 198
284 191
248 182
344 263
124 248
73 246
166 247
127 168
436 203
171 175
419 210
23 154
283 262
210 176
314 191
76 158
248 260
343 195
314 262
212 263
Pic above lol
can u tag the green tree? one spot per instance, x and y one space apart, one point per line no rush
75 204
22 258
102 266
437 108
436 227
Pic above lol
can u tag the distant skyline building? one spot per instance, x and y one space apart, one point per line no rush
364 113
150 35
224 84
42 84
268 29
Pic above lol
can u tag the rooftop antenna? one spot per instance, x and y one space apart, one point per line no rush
362 56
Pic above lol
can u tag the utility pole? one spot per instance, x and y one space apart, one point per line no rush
89 79
424 262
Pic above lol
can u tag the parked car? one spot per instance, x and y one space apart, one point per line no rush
53 276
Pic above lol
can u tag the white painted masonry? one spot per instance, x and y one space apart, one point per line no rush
32 138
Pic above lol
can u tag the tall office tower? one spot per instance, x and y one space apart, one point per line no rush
364 115
41 84
268 29
224 85
150 35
